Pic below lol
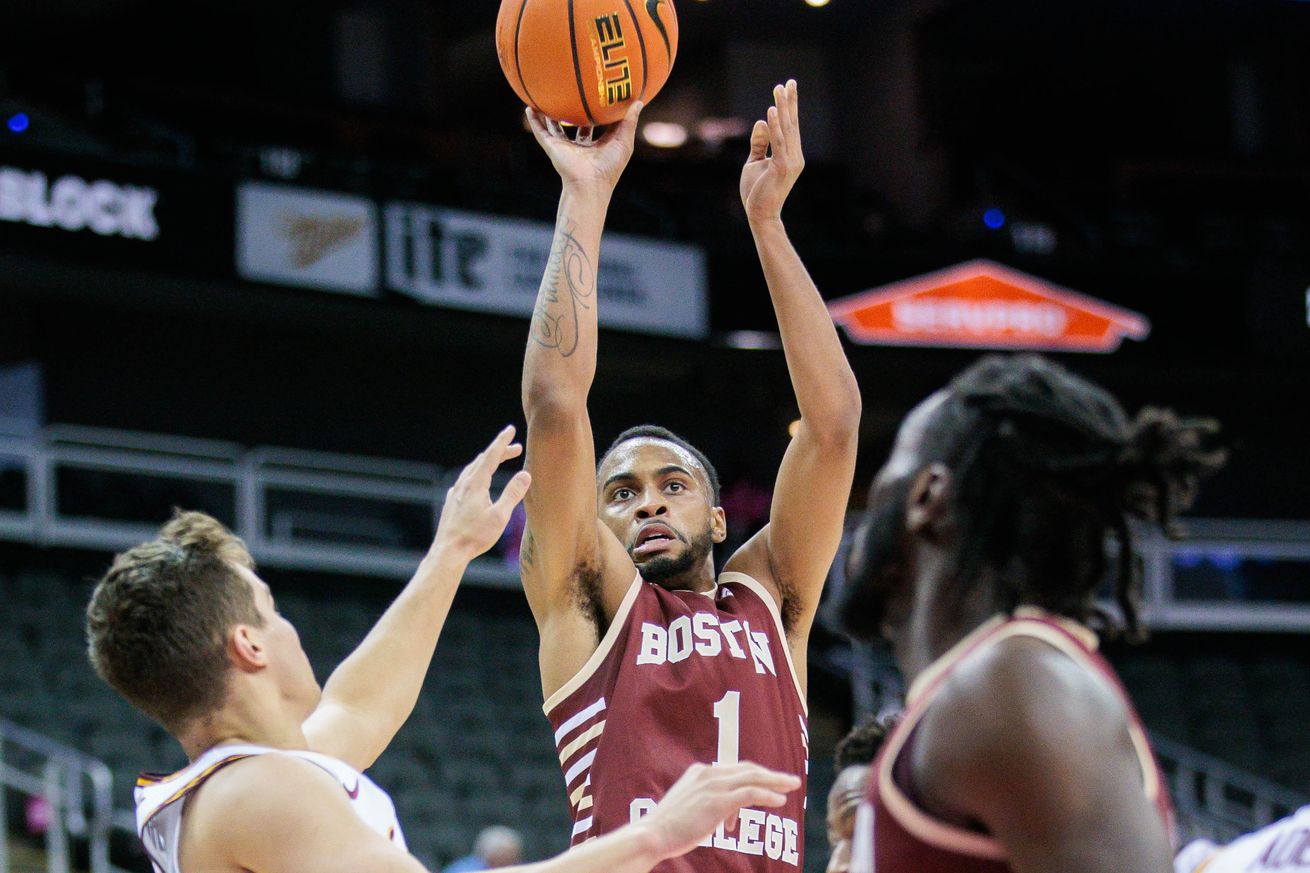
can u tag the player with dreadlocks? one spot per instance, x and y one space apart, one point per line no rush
979 559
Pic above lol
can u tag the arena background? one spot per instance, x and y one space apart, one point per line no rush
1153 155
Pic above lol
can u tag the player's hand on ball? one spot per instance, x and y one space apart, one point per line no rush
471 522
705 796
776 158
594 168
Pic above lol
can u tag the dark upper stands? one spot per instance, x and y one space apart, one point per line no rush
1245 700
476 751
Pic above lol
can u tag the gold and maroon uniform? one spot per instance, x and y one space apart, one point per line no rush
682 677
892 832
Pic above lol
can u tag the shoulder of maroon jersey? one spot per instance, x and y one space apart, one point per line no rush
1076 631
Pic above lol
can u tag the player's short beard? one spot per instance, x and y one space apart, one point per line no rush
863 599
664 571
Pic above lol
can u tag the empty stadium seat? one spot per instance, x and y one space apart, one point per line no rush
476 751
1243 705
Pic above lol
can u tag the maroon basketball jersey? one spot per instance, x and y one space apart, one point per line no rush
682 677
893 835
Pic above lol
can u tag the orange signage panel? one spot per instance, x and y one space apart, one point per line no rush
983 305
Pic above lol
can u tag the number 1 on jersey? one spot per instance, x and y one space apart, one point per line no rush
727 712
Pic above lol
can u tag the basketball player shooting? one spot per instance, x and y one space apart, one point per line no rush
648 661
979 559
183 628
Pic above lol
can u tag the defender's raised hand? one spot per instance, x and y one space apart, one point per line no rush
471 522
595 167
706 796
776 158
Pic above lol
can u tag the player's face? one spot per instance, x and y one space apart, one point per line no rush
656 498
288 663
879 583
843 800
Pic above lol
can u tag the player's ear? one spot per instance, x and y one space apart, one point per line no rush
928 503
245 649
718 524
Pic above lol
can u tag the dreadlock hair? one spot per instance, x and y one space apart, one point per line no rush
861 745
654 431
1047 466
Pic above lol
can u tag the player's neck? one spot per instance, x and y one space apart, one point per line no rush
941 617
243 723
700 579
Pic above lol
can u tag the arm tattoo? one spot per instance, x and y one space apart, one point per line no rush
555 320
528 552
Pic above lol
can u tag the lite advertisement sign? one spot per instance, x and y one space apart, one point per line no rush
487 263
328 241
983 305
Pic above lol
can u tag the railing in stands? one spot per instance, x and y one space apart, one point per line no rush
107 489
82 487
1215 800
38 767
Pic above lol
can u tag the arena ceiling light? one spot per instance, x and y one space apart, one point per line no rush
716 130
664 134
755 340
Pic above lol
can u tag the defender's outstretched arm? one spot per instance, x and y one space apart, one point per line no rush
371 694
813 486
568 556
276 814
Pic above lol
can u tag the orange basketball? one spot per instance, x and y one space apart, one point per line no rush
585 61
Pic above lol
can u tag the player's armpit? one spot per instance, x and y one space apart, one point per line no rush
566 552
573 617
347 733
792 555
808 514
1036 749
277 814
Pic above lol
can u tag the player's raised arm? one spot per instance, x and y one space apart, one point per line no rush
795 550
564 544
372 693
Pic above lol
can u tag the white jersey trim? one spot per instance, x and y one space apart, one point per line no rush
161 802
763 594
602 651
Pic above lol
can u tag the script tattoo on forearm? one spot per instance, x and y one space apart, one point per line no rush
567 288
